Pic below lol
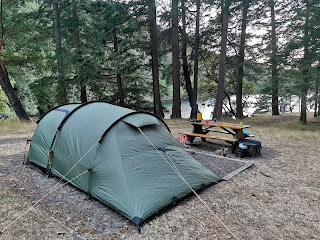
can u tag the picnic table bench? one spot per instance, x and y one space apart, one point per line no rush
190 134
202 128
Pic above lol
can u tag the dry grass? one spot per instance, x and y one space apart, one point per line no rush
266 125
34 225
8 126
292 128
288 179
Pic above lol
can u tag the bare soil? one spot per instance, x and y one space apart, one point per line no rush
277 198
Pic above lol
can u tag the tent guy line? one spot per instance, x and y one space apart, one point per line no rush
122 158
124 170
53 189
173 166
201 200
169 155
28 139
236 190
254 193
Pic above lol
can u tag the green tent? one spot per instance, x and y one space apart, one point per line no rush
125 170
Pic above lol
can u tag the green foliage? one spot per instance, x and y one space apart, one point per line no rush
249 88
3 103
102 40
302 50
44 91
208 76
29 54
263 103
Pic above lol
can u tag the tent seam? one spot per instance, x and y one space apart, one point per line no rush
126 181
90 167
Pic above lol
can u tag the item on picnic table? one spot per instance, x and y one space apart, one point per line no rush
199 115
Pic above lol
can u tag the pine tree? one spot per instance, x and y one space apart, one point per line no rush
225 4
196 55
82 84
245 7
176 105
185 64
4 77
274 62
62 92
304 37
157 106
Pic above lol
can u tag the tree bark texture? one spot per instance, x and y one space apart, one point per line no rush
274 62
83 91
185 66
119 78
223 57
304 85
303 113
11 94
176 105
245 7
83 87
62 92
157 105
316 101
196 55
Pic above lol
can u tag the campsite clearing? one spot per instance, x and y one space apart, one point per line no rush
286 175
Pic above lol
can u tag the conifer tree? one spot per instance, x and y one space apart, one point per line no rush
176 105
225 4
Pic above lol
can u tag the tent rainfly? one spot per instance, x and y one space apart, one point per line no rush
125 171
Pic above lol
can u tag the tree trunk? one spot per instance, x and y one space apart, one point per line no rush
157 106
11 94
120 89
303 113
5 82
245 7
119 78
176 105
196 56
274 62
305 71
223 57
185 66
316 101
62 92
83 87
83 91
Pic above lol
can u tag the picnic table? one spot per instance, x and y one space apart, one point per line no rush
202 128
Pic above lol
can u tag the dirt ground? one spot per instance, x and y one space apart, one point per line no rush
277 198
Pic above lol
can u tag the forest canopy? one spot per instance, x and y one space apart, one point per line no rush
136 53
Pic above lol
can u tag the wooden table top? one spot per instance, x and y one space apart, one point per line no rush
220 124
